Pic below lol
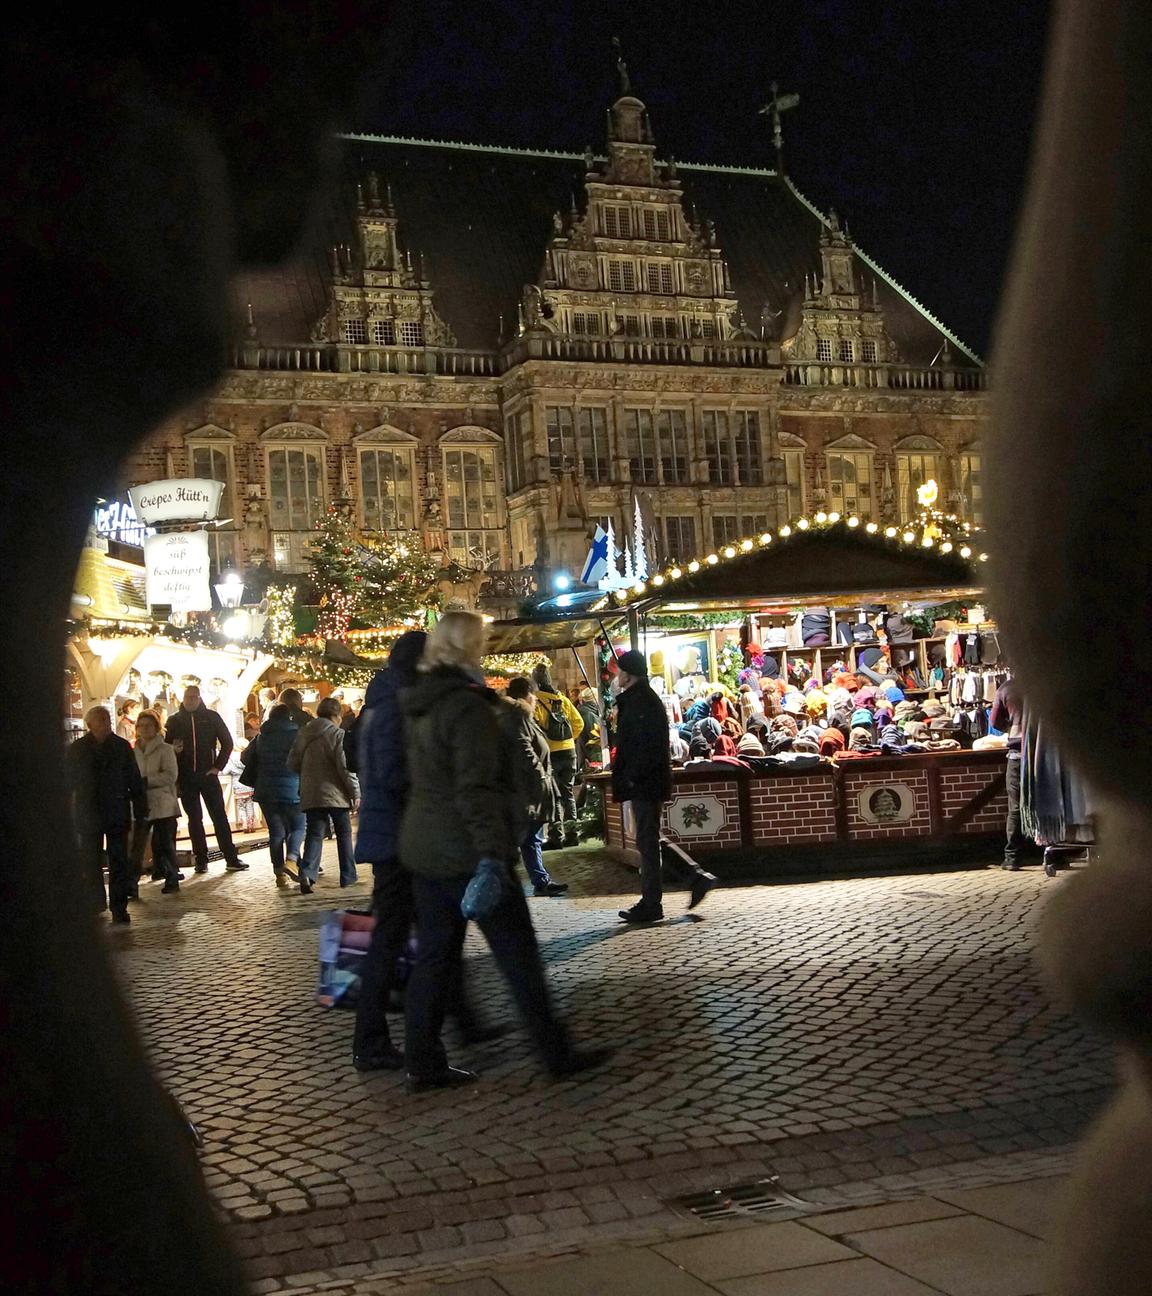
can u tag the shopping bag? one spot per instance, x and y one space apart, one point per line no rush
344 939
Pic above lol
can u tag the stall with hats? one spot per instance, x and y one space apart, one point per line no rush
866 667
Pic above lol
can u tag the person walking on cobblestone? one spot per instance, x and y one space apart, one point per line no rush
459 824
642 776
328 792
1008 716
276 788
562 725
203 744
531 765
383 763
106 790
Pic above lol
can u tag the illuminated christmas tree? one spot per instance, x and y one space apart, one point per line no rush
335 564
378 581
398 579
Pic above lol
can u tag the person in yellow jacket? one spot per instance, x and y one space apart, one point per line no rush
562 725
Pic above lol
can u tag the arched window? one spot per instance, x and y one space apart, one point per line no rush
918 460
211 457
296 493
971 483
387 469
851 469
473 514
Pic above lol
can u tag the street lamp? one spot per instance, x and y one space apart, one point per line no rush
230 591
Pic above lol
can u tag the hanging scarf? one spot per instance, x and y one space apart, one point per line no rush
1055 809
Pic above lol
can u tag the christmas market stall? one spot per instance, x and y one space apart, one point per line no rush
875 631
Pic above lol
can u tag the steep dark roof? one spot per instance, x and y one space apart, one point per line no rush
481 217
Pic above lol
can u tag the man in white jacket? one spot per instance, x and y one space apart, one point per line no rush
156 761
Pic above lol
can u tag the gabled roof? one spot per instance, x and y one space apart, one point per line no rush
481 217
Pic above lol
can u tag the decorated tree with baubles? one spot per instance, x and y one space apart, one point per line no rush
730 662
398 579
336 572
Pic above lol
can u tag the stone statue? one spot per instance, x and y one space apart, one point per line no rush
256 539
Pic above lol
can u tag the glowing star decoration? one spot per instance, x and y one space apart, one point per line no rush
928 494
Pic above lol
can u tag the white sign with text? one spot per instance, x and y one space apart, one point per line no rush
194 500
177 571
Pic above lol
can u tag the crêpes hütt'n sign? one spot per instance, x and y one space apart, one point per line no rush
194 500
177 569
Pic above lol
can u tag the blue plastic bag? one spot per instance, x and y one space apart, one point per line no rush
486 890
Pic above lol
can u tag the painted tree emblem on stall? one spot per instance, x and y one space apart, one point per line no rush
695 814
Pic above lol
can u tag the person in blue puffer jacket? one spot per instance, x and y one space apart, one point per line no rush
276 788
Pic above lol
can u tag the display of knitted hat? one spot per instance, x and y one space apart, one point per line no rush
794 703
749 675
723 746
780 742
816 703
710 729
770 666
838 697
932 709
798 670
892 692
810 745
916 731
813 731
865 696
859 738
862 716
831 742
846 680
891 736
785 724
842 718
906 710
750 745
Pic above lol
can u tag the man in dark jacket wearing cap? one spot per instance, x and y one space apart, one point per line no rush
642 775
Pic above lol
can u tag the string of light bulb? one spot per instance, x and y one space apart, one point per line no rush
915 535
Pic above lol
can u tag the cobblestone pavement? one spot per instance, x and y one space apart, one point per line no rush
834 1033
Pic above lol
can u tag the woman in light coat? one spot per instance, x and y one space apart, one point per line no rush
156 761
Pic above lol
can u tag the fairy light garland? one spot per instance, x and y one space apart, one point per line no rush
931 530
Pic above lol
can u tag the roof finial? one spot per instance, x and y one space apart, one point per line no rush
621 68
773 108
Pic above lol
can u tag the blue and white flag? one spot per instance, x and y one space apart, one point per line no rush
596 566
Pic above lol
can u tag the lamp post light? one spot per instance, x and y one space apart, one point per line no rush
230 590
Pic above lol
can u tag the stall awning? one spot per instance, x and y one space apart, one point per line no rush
833 564
531 634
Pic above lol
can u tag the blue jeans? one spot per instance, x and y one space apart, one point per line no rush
532 853
341 819
285 827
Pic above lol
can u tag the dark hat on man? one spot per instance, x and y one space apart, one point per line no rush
633 663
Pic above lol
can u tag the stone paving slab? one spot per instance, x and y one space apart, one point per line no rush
837 1033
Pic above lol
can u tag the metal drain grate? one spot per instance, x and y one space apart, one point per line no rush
763 1197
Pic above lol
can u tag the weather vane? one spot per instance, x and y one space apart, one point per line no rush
775 106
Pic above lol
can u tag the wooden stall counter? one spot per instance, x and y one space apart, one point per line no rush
848 816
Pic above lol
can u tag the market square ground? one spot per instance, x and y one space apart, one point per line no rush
855 1037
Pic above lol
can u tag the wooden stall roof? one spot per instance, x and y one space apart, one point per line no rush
531 634
833 565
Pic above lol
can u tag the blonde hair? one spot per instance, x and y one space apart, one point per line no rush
457 639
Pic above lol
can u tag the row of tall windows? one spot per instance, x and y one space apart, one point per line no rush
383 332
651 223
845 350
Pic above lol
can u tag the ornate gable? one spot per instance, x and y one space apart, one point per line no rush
380 298
634 262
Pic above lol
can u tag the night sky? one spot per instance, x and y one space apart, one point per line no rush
914 118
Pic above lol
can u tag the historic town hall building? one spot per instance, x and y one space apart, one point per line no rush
499 348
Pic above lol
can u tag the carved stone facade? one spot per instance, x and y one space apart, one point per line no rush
632 370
